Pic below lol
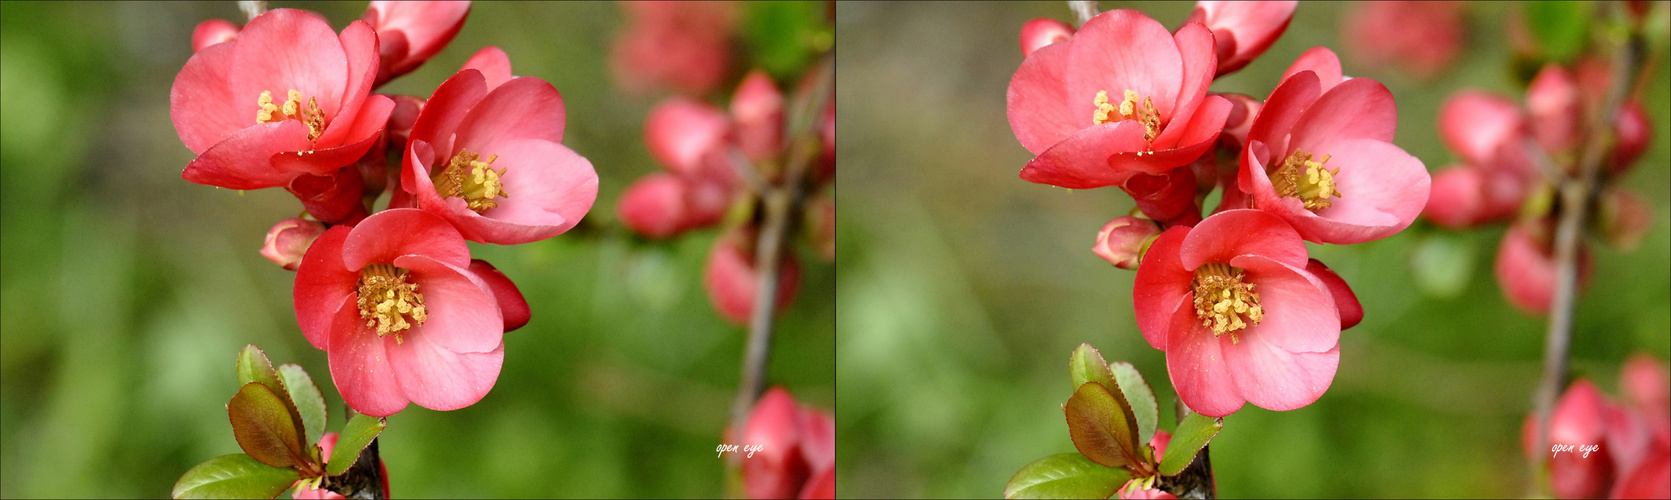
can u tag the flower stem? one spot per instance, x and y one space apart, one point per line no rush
1196 480
364 479
252 8
1577 194
1084 10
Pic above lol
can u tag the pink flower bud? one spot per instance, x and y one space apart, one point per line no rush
1475 124
1242 30
654 206
1579 419
1169 198
1037 33
1456 201
731 277
757 108
401 120
289 240
680 46
334 199
1625 218
1422 38
1243 108
778 469
1122 240
410 33
1633 130
212 32
1526 270
1555 109
681 133
1647 388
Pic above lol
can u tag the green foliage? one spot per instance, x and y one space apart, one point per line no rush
355 437
1193 433
1141 398
785 37
1442 263
1102 430
1065 475
234 476
309 403
1559 26
264 427
1087 366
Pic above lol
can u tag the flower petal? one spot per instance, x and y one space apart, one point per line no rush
363 133
1474 124
201 102
438 379
404 231
1161 282
321 285
462 313
1359 108
1037 100
1084 160
444 110
1351 312
244 159
360 367
1384 189
523 108
1278 380
1231 233
1196 364
288 49
1321 62
511 304
494 65
1300 314
359 45
1122 50
550 188
1284 107
1195 46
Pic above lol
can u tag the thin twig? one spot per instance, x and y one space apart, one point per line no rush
747 170
780 202
1084 10
252 8
1577 194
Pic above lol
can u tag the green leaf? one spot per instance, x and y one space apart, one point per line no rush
1100 430
1140 397
1193 433
264 427
783 37
355 436
1065 475
234 476
1087 365
310 404
253 366
1558 26
1442 264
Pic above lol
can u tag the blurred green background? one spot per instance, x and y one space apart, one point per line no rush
963 289
128 291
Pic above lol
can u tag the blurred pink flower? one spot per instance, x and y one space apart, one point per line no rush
731 277
1579 419
1239 315
1037 33
798 455
1526 269
1421 38
212 32
680 46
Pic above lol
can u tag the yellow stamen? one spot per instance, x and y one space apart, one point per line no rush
1222 299
1128 109
313 117
1299 177
474 181
386 300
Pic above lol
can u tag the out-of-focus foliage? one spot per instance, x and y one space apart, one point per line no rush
128 291
964 288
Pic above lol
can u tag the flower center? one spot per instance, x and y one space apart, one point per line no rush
474 181
1299 177
1128 110
292 110
1221 299
387 300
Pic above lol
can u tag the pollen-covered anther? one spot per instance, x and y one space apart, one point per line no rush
386 300
1299 177
312 116
1128 109
1222 300
474 181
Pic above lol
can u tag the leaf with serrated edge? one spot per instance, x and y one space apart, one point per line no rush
234 476
1065 475
1193 433
253 366
1140 397
310 404
1098 429
263 427
1087 365
355 436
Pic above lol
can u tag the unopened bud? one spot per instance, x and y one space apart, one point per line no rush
1122 240
289 240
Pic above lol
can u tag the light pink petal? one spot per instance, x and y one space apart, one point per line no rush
212 32
1231 233
322 285
392 233
1196 363
1320 61
1161 282
1457 199
1194 139
1475 124
361 368
427 27
288 49
362 136
1384 189
1037 100
244 159
494 65
1122 50
359 44
1250 27
681 131
442 380
1037 34
1195 46
201 101
1300 314
549 189
462 314
1360 108
1083 160
523 108
1278 380
1284 107
445 109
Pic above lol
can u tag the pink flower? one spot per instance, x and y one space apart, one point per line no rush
1476 125
1633 131
1242 30
654 206
212 32
1159 442
797 458
287 97
336 198
1122 240
1168 197
757 108
486 154
1037 33
1457 200
402 317
1557 115
1526 269
1239 315
1579 419
1625 218
682 46
1345 301
412 32
1122 97
1422 38
327 443
731 277
512 306
1324 161
289 240
690 140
